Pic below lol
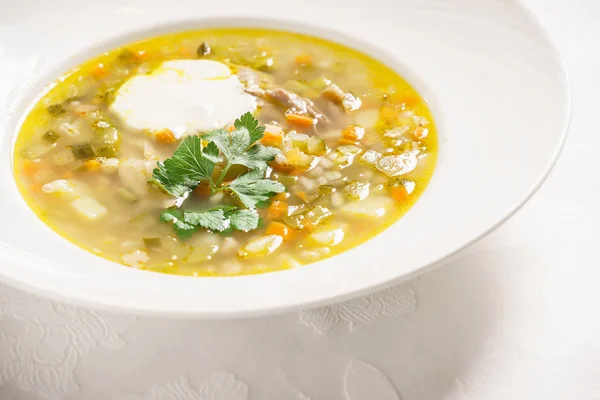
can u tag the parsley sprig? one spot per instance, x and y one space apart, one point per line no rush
193 163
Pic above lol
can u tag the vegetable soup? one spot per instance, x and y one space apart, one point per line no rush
225 152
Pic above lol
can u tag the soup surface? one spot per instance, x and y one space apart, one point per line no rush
225 152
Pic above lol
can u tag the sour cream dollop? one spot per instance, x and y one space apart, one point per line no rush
185 96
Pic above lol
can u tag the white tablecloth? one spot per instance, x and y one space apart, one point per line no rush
515 316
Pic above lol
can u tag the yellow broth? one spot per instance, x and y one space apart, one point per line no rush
395 119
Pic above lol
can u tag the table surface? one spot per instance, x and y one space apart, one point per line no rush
515 316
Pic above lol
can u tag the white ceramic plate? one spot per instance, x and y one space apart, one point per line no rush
498 90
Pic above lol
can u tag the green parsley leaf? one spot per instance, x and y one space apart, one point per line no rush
252 188
244 220
183 229
250 123
240 147
193 163
214 220
187 167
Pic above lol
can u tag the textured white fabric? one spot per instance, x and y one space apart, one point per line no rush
515 316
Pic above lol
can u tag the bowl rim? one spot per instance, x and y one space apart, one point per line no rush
293 26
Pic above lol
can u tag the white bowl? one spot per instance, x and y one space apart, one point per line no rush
497 87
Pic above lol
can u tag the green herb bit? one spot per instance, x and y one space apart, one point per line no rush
51 136
82 151
203 50
56 110
221 219
152 243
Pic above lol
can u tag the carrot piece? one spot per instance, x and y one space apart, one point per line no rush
277 209
300 121
420 133
30 167
99 71
92 165
165 136
304 59
353 133
302 196
281 196
410 101
399 193
140 55
388 113
273 136
279 229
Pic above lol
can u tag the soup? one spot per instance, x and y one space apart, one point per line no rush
225 152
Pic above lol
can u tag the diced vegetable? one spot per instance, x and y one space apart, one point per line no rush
99 71
127 195
278 228
135 259
165 136
82 151
420 133
316 146
261 246
107 151
367 118
273 136
398 164
327 237
353 133
401 190
371 207
38 149
357 190
304 59
31 167
277 209
92 165
56 110
370 157
51 136
300 121
293 160
88 207
152 242
299 141
62 187
307 219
